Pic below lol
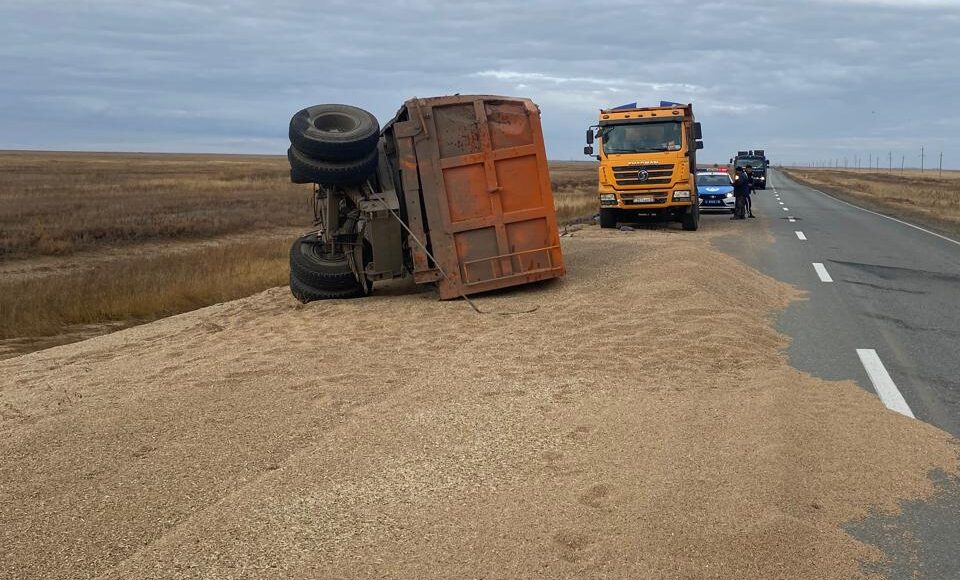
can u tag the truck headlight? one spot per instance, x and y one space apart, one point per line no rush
608 197
681 194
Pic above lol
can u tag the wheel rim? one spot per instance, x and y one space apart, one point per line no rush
335 123
315 252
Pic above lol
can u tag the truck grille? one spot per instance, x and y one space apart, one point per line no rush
630 174
638 197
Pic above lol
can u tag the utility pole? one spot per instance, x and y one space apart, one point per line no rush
940 170
903 159
890 154
870 161
921 160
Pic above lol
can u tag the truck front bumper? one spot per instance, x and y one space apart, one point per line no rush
642 202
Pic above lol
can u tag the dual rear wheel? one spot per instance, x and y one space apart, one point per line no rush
330 145
333 145
316 274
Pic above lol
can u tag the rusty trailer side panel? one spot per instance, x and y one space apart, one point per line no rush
484 187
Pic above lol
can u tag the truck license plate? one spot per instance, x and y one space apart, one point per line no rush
643 200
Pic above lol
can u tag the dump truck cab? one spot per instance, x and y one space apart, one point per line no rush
647 162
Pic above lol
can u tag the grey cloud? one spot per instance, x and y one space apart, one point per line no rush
804 79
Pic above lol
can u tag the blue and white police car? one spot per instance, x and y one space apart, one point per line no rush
715 190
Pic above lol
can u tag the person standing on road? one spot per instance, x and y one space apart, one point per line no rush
749 200
741 190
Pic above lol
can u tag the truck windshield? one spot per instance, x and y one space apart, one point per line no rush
755 162
641 137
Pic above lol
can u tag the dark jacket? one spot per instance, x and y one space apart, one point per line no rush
741 187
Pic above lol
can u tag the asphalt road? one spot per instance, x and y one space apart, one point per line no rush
889 320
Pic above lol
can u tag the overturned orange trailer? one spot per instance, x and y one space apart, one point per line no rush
475 182
466 179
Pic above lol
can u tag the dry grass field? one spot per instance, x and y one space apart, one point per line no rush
574 190
137 289
925 197
61 203
91 242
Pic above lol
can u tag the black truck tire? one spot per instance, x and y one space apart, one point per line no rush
304 167
334 132
297 177
312 266
691 218
306 293
608 217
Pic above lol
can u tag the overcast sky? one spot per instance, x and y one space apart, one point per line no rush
806 80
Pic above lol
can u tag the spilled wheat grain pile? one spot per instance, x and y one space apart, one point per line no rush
625 429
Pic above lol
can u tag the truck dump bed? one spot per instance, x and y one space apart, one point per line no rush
476 189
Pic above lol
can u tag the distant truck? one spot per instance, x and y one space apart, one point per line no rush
454 191
758 161
648 156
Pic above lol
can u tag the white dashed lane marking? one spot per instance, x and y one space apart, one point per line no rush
800 235
882 383
822 272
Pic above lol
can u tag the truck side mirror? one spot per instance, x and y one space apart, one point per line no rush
588 150
731 161
697 131
699 144
589 136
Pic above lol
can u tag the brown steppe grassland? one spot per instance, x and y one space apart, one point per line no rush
93 242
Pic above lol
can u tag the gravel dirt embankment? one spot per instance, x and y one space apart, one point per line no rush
631 427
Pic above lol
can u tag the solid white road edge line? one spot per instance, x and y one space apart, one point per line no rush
882 383
801 236
908 224
822 272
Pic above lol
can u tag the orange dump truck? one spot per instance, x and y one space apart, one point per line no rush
454 191
648 158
